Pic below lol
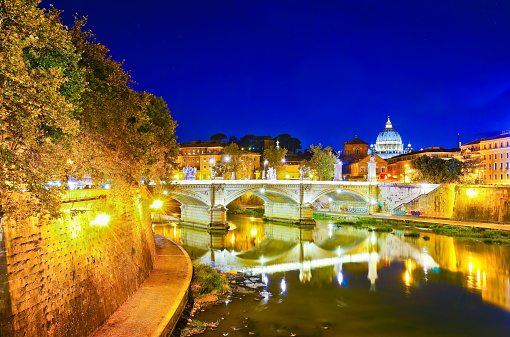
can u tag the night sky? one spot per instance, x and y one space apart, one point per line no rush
322 71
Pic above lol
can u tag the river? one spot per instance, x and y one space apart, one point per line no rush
333 280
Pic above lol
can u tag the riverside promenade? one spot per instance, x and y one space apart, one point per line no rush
156 306
420 219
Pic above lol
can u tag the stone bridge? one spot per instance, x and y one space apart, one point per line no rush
204 202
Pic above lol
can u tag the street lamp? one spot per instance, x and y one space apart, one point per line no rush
227 159
284 170
211 161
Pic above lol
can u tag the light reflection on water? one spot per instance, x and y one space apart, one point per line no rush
326 280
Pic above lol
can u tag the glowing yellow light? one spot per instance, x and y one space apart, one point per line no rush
100 220
69 161
484 277
156 204
176 176
311 175
470 266
410 266
471 192
253 231
407 278
287 176
233 238
478 276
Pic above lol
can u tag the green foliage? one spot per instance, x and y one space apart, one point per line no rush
68 109
437 170
240 162
217 137
288 142
207 280
322 162
274 157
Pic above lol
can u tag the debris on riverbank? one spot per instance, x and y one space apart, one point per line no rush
208 287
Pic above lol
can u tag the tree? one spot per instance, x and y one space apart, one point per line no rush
239 162
322 162
247 141
274 157
218 137
437 170
290 143
41 85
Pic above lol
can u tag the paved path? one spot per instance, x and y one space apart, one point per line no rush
155 308
415 219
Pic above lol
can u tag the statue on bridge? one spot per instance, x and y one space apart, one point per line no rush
372 171
338 170
271 174
189 172
304 170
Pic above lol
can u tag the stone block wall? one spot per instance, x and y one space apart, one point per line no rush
490 203
66 277
463 202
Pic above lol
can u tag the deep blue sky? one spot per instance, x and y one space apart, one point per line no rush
322 71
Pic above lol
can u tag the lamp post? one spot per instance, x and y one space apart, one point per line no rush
227 159
211 161
284 171
264 172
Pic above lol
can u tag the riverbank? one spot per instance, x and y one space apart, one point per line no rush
490 233
155 308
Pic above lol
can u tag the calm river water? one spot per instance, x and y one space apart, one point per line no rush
328 280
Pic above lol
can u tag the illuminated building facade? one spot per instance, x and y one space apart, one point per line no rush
356 148
359 169
204 155
495 153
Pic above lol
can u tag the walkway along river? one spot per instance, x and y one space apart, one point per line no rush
334 280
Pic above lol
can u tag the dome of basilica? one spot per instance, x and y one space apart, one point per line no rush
389 143
388 135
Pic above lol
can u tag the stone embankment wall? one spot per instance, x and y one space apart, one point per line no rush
463 202
66 277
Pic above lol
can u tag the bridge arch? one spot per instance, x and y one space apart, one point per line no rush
269 194
187 199
346 194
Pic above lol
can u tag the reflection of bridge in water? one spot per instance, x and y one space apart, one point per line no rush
286 248
264 248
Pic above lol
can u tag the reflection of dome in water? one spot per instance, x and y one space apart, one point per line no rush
388 143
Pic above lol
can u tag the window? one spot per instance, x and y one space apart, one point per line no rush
362 170
349 151
193 160
490 156
357 151
501 177
501 156
507 176
490 167
495 145
484 157
205 167
189 152
495 166
501 165
495 177
383 169
490 146
507 155
507 165
205 160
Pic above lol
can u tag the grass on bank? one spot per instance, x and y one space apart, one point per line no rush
491 236
207 280
249 211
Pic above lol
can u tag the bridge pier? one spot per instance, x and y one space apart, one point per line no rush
204 216
293 213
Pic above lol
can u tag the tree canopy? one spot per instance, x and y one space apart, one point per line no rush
322 162
274 157
437 170
217 137
68 109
